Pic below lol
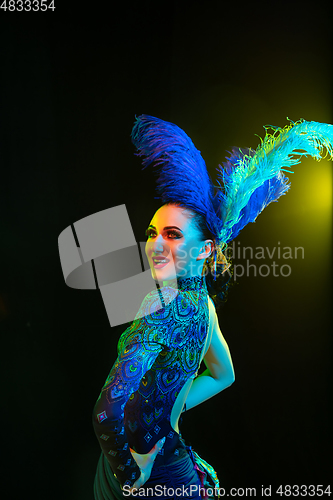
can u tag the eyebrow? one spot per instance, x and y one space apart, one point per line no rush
166 227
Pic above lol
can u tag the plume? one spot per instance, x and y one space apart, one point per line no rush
250 180
246 183
182 173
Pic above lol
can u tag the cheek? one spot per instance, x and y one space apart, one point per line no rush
189 252
147 248
181 253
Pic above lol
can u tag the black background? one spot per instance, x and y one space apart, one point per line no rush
71 84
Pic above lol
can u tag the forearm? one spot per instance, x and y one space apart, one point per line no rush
109 429
109 410
204 387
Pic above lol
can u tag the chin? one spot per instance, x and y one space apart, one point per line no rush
161 275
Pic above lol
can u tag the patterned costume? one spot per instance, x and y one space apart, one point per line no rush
157 354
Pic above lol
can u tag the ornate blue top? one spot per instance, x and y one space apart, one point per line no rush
157 354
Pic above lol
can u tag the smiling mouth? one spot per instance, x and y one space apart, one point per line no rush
159 263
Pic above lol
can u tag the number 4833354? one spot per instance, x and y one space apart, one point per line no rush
20 5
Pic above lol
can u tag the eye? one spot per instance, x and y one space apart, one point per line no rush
172 234
150 233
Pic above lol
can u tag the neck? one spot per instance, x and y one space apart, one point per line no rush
187 283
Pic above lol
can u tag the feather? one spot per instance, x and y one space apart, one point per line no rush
182 173
248 181
269 191
253 179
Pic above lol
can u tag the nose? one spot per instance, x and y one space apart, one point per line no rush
158 245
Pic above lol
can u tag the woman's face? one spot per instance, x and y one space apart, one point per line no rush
175 246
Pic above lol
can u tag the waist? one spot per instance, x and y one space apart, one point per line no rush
174 450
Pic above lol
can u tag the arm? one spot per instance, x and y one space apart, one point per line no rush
133 361
138 348
219 373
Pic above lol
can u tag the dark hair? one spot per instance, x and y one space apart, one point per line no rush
218 288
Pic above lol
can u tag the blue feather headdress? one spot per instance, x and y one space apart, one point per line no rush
182 172
248 181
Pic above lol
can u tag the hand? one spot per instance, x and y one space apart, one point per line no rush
146 462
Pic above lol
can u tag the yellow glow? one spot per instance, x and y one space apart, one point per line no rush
320 185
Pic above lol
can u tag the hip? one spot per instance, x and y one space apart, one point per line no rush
177 480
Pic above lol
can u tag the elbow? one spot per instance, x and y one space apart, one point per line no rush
226 381
230 378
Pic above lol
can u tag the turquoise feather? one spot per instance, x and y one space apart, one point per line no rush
245 173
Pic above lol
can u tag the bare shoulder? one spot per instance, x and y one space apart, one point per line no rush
212 308
212 315
217 357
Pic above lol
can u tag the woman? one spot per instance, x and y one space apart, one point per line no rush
174 340
153 379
